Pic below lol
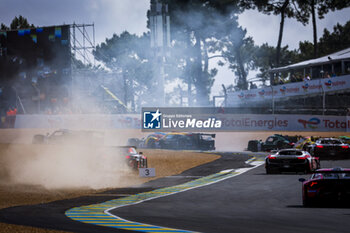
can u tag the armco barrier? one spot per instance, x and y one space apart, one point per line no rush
230 122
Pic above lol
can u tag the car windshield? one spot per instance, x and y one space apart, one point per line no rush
301 140
206 137
330 142
330 176
290 152
271 139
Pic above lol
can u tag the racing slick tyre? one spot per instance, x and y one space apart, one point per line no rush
143 163
307 168
307 202
270 171
253 145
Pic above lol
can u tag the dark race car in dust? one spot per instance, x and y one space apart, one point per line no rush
84 138
273 142
65 136
176 141
327 187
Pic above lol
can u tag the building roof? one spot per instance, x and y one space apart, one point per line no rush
337 56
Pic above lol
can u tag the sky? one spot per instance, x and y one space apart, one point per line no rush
116 16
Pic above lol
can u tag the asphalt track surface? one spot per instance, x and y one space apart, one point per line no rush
52 215
250 202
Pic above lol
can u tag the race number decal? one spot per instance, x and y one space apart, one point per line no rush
147 172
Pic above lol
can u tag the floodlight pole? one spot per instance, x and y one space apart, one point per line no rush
160 42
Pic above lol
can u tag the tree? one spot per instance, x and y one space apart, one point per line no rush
195 24
321 7
330 42
17 23
238 50
264 59
130 55
4 27
20 22
283 8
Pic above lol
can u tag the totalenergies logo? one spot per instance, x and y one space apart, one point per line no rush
241 95
328 83
283 90
312 123
262 93
305 86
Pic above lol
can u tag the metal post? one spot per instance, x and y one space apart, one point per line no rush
74 40
84 51
160 41
323 99
273 101
93 35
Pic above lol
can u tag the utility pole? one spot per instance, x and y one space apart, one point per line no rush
160 42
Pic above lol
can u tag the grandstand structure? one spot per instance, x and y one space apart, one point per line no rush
49 70
318 86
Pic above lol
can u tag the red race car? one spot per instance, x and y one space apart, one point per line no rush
134 159
327 186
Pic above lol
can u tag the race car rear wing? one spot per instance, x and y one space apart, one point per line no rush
332 171
208 134
126 147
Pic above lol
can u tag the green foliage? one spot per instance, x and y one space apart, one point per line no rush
196 25
337 40
4 27
130 56
20 22
17 23
265 59
330 42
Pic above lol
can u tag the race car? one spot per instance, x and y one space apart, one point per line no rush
292 160
176 141
330 148
151 141
187 141
65 136
305 142
273 142
326 186
134 159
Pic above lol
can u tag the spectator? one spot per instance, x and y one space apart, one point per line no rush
326 75
293 78
307 78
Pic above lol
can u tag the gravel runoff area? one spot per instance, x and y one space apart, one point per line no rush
13 192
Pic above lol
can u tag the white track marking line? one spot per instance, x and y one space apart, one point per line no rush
239 172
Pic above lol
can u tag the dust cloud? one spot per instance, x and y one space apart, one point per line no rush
73 165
